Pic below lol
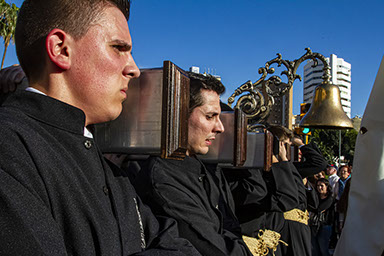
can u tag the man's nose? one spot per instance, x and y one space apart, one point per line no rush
131 70
219 127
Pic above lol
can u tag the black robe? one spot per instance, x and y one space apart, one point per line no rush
58 196
288 192
261 199
198 198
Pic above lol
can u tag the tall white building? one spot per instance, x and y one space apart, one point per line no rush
196 69
341 76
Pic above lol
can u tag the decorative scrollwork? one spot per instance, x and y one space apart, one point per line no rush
259 96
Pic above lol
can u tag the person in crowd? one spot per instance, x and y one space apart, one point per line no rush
342 190
197 196
322 218
333 178
342 204
58 195
345 175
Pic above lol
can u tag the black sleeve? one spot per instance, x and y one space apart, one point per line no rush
313 163
26 224
195 224
162 235
247 186
284 192
256 190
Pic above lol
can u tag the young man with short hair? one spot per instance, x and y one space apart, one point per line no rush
196 196
58 196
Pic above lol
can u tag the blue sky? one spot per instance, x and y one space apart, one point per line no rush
234 39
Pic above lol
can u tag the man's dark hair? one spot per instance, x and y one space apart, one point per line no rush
281 132
37 18
326 182
200 82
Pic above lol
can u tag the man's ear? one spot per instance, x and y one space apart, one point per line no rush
58 48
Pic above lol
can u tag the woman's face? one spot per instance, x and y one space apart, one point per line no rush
321 188
344 173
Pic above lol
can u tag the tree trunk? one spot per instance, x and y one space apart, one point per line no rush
6 43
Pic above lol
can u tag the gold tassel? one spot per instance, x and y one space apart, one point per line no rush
267 240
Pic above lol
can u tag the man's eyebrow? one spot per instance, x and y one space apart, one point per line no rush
122 43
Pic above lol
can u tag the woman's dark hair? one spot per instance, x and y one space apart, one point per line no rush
326 182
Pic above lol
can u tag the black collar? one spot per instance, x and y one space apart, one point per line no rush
189 163
48 110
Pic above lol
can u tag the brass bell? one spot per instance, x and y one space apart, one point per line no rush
326 111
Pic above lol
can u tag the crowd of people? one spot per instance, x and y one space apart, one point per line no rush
327 219
60 196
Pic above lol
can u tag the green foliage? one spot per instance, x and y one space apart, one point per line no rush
8 18
348 144
328 143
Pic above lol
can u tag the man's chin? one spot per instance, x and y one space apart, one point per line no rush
108 118
203 152
115 114
199 151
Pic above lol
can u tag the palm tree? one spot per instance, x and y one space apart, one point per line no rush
3 7
8 18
